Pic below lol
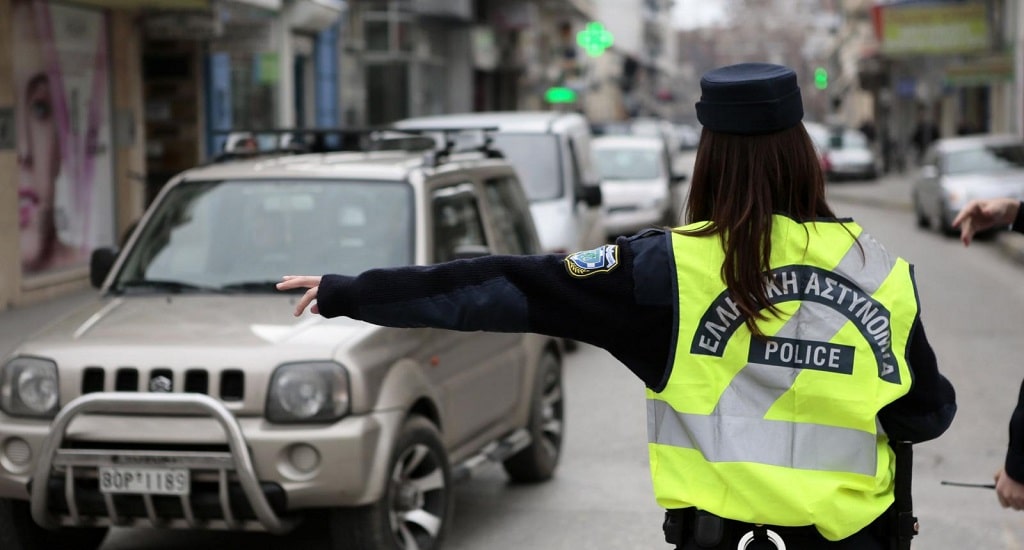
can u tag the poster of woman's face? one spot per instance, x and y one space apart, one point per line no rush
62 116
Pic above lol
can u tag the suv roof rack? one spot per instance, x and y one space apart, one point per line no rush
453 140
439 144
253 143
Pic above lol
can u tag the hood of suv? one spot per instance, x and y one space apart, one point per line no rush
242 321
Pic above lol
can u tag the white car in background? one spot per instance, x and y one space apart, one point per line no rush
638 187
550 151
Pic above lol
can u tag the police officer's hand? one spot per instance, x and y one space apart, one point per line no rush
1009 491
979 215
289 282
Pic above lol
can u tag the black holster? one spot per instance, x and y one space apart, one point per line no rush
903 525
706 529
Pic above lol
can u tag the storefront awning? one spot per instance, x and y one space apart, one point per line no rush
932 29
981 72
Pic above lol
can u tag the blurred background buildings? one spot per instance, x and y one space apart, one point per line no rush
140 90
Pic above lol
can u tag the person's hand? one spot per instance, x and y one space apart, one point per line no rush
289 282
980 215
1009 491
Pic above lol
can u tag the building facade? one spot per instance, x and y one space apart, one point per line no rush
102 100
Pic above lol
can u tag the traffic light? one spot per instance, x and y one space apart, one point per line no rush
820 78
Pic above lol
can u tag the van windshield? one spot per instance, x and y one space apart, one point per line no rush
535 158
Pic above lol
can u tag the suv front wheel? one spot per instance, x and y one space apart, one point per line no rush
538 461
415 509
18 531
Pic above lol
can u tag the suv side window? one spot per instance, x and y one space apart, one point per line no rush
509 209
456 221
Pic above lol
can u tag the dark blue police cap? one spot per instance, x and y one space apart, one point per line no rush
749 99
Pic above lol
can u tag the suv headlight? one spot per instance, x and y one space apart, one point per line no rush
308 392
28 387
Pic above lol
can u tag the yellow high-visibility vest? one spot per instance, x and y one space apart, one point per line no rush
783 430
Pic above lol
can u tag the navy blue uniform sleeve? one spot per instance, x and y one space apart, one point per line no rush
928 409
521 294
1018 226
1015 451
630 310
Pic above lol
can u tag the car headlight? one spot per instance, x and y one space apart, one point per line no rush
28 387
308 392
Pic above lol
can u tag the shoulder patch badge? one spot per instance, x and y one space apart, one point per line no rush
589 262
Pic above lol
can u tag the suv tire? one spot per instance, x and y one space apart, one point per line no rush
538 461
417 502
18 531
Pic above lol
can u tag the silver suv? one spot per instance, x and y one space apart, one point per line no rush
188 396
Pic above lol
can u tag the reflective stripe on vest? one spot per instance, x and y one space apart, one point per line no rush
788 415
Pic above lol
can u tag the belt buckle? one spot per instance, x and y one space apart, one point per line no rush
773 537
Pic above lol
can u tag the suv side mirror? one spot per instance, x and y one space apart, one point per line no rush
100 264
929 172
591 195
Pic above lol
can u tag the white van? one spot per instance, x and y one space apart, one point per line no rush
551 154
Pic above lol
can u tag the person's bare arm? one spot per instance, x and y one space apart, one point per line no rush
980 215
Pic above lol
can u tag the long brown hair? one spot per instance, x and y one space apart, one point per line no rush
738 183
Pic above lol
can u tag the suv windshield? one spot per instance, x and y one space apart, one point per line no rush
535 157
243 235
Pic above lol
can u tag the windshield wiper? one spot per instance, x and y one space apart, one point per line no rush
175 287
252 286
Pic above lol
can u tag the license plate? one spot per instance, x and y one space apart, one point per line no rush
144 481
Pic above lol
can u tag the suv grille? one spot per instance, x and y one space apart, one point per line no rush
230 386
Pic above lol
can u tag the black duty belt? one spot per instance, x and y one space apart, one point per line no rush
709 531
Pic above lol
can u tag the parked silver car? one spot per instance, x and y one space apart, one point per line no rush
188 396
958 169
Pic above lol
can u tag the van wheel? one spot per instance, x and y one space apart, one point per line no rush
538 461
18 531
416 507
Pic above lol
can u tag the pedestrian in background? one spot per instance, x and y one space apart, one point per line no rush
977 216
777 342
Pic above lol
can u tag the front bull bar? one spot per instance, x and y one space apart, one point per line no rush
150 404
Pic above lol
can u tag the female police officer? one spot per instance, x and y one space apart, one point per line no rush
782 347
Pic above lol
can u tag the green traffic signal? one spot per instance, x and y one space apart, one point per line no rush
820 78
